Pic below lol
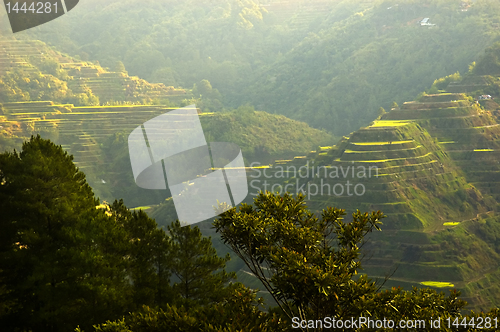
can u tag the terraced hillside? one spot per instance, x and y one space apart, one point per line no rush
298 14
427 165
432 166
390 166
80 130
468 135
97 138
81 76
14 54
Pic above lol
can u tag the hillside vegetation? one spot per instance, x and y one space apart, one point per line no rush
90 110
331 64
97 137
32 71
437 180
69 263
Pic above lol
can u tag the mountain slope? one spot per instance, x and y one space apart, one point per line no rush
338 77
331 64
33 74
32 71
432 166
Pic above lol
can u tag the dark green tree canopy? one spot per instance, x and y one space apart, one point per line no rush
310 265
195 264
52 257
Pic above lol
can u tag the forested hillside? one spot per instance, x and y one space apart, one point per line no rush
329 63
340 75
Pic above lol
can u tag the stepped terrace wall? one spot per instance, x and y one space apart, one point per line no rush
468 134
441 97
108 86
418 186
408 163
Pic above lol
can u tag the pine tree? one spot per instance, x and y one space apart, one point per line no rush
59 260
148 256
195 263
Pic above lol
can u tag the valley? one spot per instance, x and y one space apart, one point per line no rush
437 182
357 105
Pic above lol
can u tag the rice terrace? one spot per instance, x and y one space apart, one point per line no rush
368 142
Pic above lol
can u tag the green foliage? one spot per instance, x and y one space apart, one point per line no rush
18 85
381 111
55 243
237 312
306 263
86 98
202 88
116 326
119 172
489 63
309 265
194 262
67 261
48 66
442 83
148 256
472 67
166 76
262 136
119 67
209 99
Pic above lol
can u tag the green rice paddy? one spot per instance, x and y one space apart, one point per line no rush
378 151
381 143
141 208
437 284
385 160
266 166
389 123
